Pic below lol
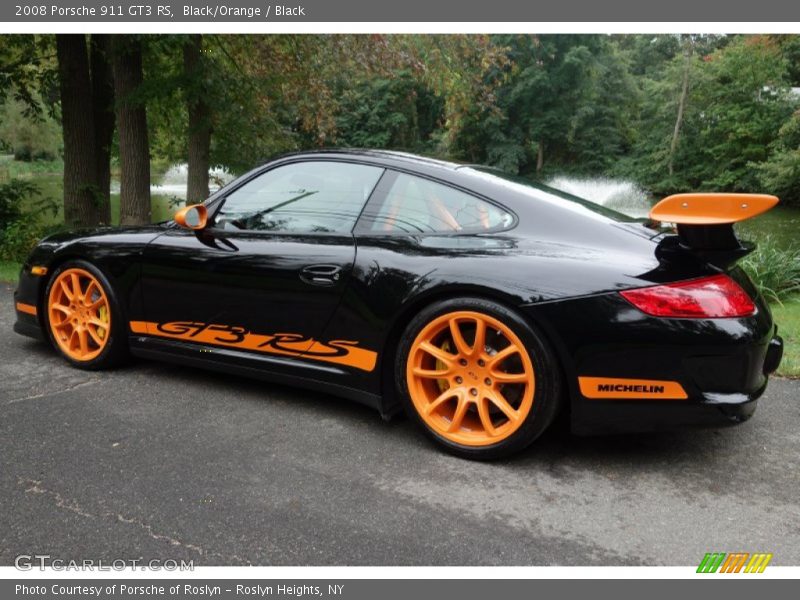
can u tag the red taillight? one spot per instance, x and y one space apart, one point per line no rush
713 297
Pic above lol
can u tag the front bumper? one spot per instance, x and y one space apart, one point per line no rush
27 305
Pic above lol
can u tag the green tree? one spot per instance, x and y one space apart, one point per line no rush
745 101
562 104
397 112
780 173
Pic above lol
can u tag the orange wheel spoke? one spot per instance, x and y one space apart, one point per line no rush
501 377
441 399
75 282
498 358
98 304
83 339
500 402
430 374
94 335
479 344
60 307
98 323
458 338
437 352
61 325
486 418
92 286
65 288
458 416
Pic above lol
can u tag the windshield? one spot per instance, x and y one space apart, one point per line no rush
540 191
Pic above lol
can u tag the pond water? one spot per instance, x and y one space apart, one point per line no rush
781 223
168 190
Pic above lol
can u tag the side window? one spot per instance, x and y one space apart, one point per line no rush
416 205
307 197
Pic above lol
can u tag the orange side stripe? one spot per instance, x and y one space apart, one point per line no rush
26 308
336 351
138 327
605 388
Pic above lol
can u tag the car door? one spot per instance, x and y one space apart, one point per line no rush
268 271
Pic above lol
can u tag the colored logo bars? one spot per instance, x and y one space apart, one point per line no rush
734 562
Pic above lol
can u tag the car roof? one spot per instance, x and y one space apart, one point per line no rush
389 156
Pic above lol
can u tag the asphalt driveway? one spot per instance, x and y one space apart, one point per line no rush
158 461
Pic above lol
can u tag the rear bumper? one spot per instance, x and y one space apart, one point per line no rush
723 390
720 367
632 417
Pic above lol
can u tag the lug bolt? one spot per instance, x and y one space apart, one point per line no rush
473 392
463 362
487 381
459 379
481 363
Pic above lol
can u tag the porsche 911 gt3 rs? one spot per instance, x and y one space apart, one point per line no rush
480 303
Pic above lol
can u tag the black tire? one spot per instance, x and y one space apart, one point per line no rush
115 351
547 392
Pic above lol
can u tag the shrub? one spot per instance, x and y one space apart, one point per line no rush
20 229
19 238
775 270
12 196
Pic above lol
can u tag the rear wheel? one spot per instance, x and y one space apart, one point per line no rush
477 377
83 317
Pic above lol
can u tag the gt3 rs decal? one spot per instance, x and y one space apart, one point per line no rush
289 344
605 388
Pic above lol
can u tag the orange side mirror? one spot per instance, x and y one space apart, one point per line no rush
192 217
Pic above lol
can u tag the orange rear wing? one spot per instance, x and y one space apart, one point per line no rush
711 209
705 224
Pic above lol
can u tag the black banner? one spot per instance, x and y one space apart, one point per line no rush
332 11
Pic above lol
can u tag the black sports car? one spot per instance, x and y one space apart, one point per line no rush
479 302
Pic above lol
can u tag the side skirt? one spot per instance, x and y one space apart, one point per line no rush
250 366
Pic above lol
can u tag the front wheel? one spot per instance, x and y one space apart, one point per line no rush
84 320
477 377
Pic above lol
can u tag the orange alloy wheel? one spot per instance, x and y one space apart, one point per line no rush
470 378
79 314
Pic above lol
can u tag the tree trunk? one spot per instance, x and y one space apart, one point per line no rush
199 121
134 151
540 157
676 132
81 190
103 113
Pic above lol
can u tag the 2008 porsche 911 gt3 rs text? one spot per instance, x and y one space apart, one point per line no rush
479 302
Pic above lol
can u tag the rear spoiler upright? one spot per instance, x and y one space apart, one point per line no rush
705 222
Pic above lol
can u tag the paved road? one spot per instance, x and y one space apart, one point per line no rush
156 461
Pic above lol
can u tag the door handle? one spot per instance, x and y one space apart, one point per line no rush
321 274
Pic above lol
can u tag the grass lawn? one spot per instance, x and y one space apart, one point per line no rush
9 271
788 319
